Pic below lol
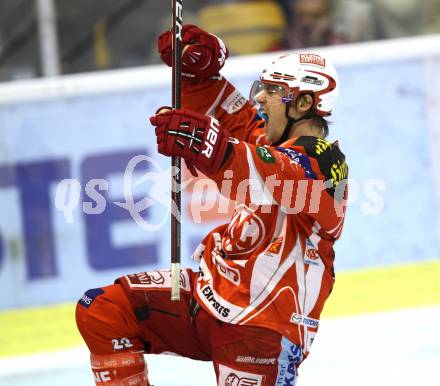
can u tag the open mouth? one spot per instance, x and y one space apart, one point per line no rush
263 115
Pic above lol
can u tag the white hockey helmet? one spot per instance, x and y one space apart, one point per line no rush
301 73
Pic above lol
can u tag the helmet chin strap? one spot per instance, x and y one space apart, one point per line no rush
290 122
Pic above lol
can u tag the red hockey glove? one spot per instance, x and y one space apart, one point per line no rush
198 138
203 56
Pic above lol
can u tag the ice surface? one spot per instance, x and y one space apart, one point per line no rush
400 348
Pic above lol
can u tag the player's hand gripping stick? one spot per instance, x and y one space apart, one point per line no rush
197 138
204 54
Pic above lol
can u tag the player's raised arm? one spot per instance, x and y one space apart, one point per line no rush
300 170
298 175
207 92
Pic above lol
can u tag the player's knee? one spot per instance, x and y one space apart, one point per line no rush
86 317
105 319
101 318
119 369
89 297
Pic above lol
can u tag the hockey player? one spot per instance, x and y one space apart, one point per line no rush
253 307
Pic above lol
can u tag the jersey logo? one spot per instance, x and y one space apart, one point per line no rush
275 246
229 273
234 380
157 279
265 154
322 145
234 102
339 172
299 159
330 159
245 232
89 296
311 254
304 320
232 377
209 294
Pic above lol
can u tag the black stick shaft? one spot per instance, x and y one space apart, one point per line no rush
175 161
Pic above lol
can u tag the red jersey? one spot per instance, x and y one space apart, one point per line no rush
272 264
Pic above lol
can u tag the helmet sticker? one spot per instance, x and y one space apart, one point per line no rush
312 80
312 59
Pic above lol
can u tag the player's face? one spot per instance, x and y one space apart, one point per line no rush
270 100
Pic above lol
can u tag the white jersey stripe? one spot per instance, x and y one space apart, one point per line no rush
259 194
315 239
257 141
279 273
267 263
213 107
300 277
336 227
313 285
269 303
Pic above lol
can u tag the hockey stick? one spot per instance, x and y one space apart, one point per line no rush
175 161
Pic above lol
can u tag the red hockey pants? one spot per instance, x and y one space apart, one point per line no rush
242 355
